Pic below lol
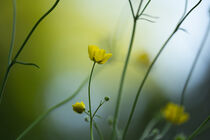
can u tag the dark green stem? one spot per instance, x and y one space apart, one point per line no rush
151 66
5 81
43 115
198 130
33 29
12 62
194 65
9 65
89 99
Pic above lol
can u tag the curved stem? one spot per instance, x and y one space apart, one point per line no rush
3 86
13 33
89 99
198 130
43 115
194 65
12 62
5 81
34 27
122 80
151 66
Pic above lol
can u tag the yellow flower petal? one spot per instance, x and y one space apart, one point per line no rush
79 107
106 58
175 113
98 55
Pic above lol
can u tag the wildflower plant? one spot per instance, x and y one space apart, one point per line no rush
174 114
99 56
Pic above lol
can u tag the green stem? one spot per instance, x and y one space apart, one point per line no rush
5 81
34 27
9 65
98 131
89 99
151 66
43 115
135 19
194 65
98 108
12 62
198 130
13 33
122 80
149 127
163 133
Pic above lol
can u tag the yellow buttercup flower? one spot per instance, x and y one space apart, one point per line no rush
98 55
144 59
175 113
79 107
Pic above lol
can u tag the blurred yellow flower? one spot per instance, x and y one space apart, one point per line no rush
98 55
144 59
175 113
79 107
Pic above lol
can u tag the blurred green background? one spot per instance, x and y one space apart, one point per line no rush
59 47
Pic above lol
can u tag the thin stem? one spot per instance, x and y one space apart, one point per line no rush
132 10
13 33
198 130
151 66
135 19
138 10
89 99
145 7
43 115
149 127
122 80
98 131
12 62
27 64
194 64
3 86
5 81
163 133
33 29
98 108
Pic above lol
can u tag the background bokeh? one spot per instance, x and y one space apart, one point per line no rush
59 47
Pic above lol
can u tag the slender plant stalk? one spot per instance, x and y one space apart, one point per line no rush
98 131
151 66
13 32
89 99
10 51
164 132
135 19
194 64
149 127
198 130
13 61
43 115
51 109
98 108
122 81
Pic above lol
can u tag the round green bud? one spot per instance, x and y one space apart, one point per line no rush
106 98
